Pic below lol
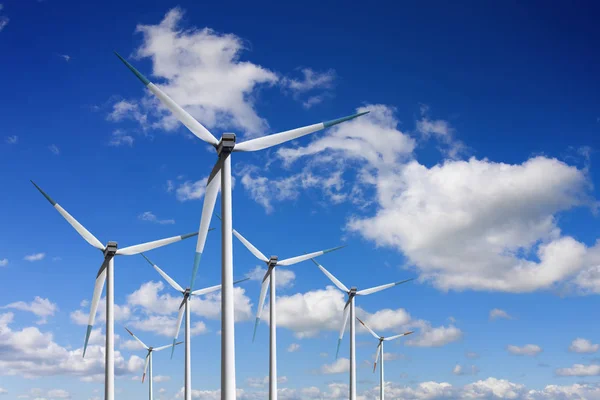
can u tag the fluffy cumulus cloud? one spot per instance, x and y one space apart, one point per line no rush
203 71
462 223
307 314
579 370
43 308
30 353
339 366
581 345
527 350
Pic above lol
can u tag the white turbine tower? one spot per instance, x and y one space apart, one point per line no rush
269 281
379 353
148 363
220 177
106 273
349 309
184 306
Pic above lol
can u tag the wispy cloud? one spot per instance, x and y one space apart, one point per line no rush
12 139
312 88
34 257
3 19
120 138
65 57
527 350
293 347
497 313
150 217
3 262
54 149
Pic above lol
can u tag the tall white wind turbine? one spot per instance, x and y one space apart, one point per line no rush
349 309
379 353
185 307
148 363
106 273
269 282
220 177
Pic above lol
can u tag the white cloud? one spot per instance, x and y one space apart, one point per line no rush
161 378
202 71
128 109
3 262
165 325
3 391
150 217
581 345
293 347
189 190
442 131
34 257
461 370
43 308
58 394
284 278
304 89
339 366
120 138
30 353
14 139
3 19
80 317
527 350
54 149
497 313
580 370
429 336
65 57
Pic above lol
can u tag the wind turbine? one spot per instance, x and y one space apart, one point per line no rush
349 309
220 177
184 306
379 353
106 273
269 281
148 363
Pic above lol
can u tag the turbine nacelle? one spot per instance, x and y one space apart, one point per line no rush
111 249
272 261
352 291
226 144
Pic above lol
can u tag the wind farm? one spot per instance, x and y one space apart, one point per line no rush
395 202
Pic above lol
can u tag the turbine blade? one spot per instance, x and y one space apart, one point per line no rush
166 347
382 287
138 339
332 278
145 366
98 287
377 354
210 198
250 247
344 322
261 301
139 248
178 327
281 137
183 116
91 239
397 336
211 289
376 336
166 277
304 257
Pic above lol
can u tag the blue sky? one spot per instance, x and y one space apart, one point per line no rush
475 172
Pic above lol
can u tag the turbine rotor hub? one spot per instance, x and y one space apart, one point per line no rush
353 291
